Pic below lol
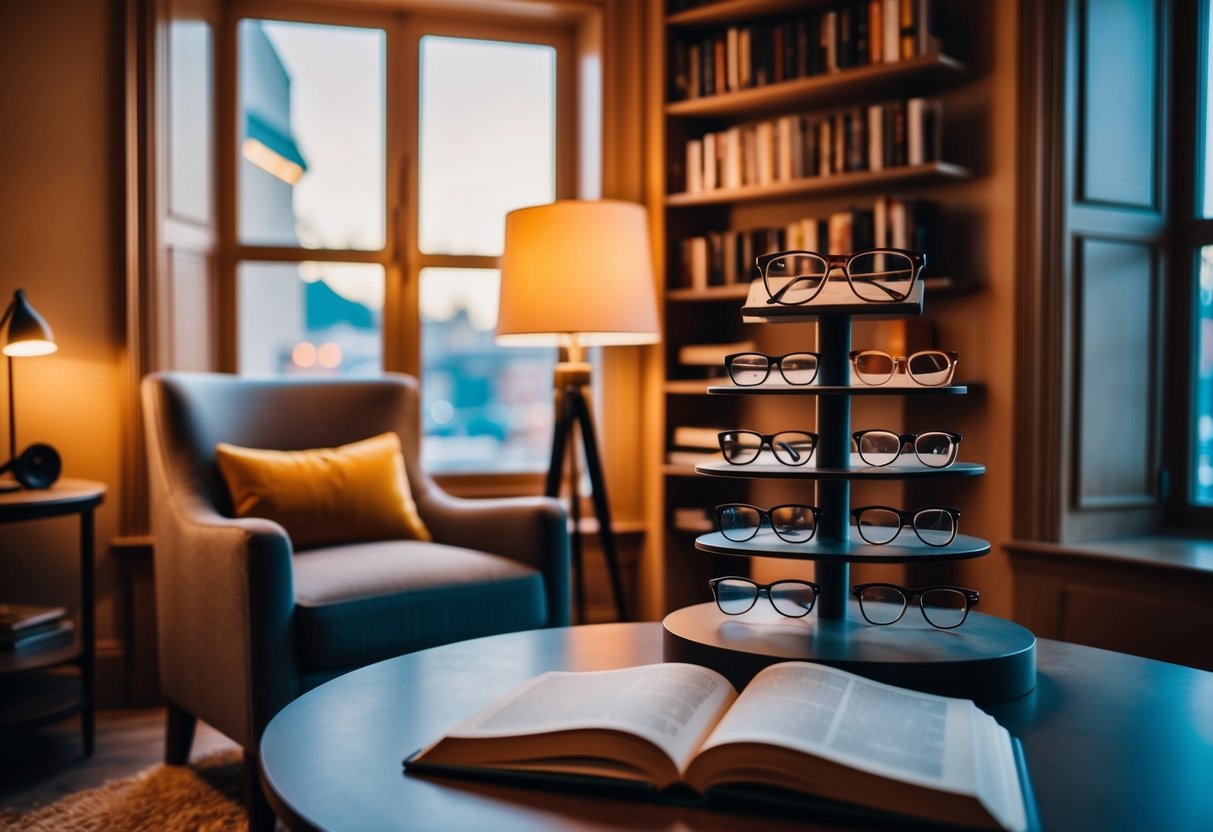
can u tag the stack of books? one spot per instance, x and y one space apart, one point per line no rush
26 627
691 445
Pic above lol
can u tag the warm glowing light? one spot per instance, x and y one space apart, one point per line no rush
25 348
271 161
329 355
304 354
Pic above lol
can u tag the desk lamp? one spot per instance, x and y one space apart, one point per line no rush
27 334
578 274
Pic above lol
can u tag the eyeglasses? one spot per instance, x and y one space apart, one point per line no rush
930 368
944 607
751 368
934 448
735 596
791 447
793 523
879 275
934 525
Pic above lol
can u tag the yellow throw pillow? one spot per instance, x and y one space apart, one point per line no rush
326 496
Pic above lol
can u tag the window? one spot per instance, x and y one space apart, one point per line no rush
1192 293
329 236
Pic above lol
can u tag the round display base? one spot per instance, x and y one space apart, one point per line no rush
986 659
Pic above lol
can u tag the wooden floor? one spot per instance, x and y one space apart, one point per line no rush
40 768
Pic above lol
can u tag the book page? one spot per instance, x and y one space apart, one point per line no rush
935 741
880 728
672 705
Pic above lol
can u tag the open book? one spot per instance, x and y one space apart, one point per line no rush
802 728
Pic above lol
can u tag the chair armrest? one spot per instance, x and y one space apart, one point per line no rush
226 599
532 530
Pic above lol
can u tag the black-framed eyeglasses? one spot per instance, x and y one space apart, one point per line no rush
791 522
934 525
790 598
878 275
944 607
930 368
934 448
790 447
748 369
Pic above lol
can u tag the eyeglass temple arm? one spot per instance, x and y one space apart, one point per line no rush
775 298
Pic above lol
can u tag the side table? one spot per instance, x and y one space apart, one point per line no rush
27 696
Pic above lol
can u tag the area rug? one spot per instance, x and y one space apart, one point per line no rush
204 796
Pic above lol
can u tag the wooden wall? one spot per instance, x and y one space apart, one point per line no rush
61 226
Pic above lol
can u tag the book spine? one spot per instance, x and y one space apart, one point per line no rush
875 31
892 31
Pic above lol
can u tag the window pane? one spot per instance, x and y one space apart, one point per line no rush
190 119
485 408
311 135
319 318
1202 490
493 152
1207 202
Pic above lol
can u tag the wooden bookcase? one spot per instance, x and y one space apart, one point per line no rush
695 313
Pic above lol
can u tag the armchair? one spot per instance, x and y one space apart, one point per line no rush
247 623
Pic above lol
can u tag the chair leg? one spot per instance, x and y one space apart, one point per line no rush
178 735
261 816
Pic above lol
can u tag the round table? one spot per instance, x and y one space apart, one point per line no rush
1111 741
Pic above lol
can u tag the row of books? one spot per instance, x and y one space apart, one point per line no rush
32 626
722 258
852 34
799 145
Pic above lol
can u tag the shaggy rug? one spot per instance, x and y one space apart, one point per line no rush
204 796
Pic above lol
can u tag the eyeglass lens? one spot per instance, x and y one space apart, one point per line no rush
752 368
795 278
740 522
881 275
930 368
881 447
790 447
942 607
879 525
793 599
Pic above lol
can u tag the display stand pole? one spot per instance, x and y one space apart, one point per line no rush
834 451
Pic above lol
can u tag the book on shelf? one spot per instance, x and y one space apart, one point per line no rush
39 637
721 258
693 519
799 734
696 437
693 457
728 59
712 354
798 146
15 618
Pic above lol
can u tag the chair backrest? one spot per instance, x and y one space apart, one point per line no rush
192 412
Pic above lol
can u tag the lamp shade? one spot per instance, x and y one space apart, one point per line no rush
28 333
577 268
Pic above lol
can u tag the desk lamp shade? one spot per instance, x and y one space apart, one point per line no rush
28 333
577 272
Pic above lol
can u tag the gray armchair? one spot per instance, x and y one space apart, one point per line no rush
247 623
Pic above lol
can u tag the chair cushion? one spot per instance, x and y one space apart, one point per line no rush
369 601
326 496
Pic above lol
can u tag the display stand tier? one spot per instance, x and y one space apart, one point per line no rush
836 390
986 659
905 549
760 469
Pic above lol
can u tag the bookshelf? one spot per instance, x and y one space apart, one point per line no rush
699 311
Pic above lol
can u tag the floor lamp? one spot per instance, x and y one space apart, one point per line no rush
578 274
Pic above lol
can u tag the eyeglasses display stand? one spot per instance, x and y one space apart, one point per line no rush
988 659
